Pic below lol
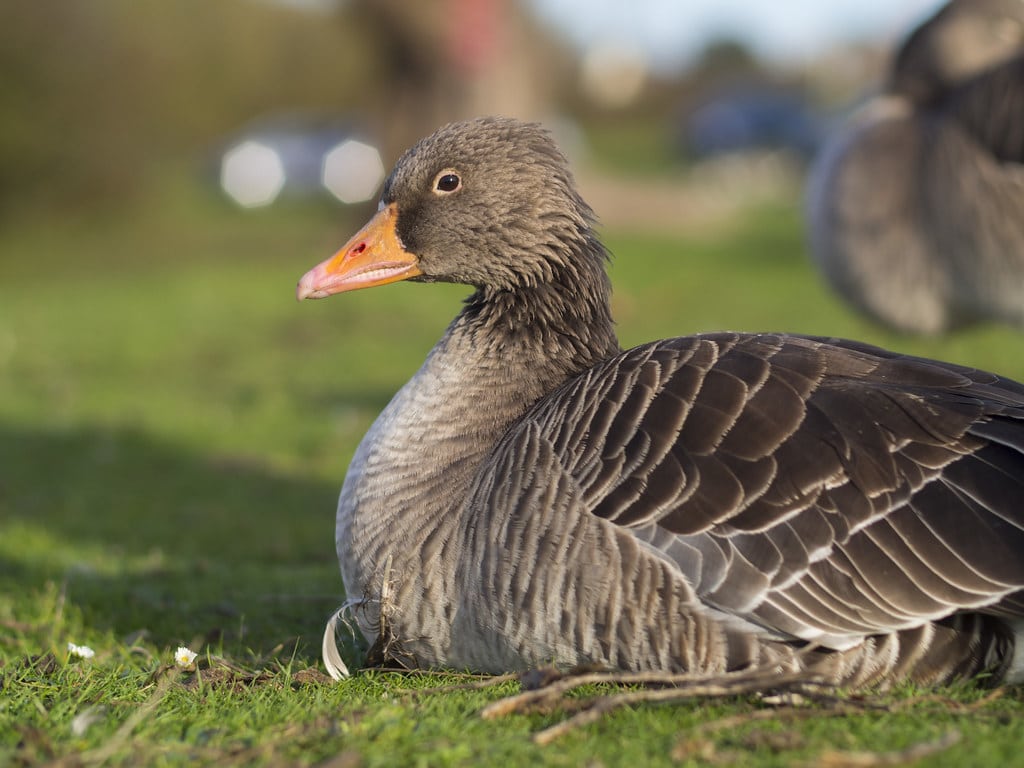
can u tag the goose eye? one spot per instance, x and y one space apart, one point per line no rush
447 182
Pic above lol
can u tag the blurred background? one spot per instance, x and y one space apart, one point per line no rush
107 102
173 426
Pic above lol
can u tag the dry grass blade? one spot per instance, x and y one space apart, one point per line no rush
602 705
907 756
657 688
747 681
476 684
949 704
775 715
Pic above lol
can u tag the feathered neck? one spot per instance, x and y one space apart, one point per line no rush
564 318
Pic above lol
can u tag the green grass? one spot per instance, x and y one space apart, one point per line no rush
173 431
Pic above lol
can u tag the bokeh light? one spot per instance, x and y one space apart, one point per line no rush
252 174
352 171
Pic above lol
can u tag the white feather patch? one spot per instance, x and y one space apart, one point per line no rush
332 659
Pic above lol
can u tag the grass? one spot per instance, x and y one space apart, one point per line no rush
173 432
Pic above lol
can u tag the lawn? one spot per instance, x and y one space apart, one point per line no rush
174 428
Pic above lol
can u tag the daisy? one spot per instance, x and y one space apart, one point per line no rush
81 651
184 657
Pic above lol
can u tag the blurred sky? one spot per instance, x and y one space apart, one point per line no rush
673 32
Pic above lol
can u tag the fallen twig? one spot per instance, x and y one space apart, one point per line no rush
597 707
950 705
660 687
913 753
548 688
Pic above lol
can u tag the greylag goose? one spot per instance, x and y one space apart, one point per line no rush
916 208
534 495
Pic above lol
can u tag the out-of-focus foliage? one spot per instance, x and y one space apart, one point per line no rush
98 94
94 94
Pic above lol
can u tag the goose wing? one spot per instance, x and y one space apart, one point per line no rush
821 488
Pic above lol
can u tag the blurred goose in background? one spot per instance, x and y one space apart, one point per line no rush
916 208
535 495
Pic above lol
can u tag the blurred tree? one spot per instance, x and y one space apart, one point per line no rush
64 102
97 94
442 60
725 57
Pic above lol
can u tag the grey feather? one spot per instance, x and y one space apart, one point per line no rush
534 495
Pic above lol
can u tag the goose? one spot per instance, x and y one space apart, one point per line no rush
915 209
534 495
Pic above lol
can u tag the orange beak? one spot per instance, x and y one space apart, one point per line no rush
374 256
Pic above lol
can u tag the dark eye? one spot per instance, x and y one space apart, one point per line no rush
447 182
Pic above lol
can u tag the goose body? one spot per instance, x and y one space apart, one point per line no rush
916 208
535 495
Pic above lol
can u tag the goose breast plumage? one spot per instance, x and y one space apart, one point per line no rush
535 495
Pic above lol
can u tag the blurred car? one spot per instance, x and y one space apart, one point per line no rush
752 118
299 157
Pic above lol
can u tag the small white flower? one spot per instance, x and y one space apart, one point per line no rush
81 651
184 657
86 719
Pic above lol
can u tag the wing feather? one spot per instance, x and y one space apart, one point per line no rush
823 489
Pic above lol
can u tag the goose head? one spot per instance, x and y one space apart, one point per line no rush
963 40
489 203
